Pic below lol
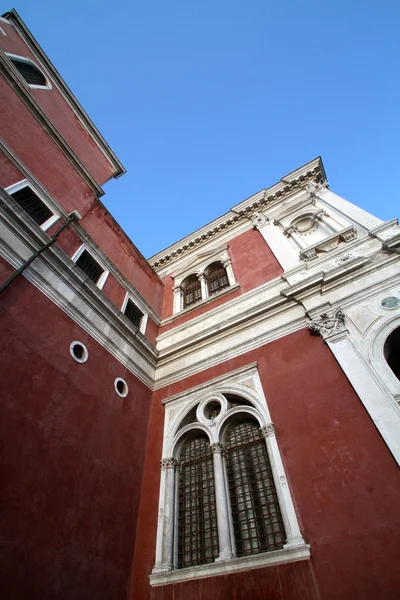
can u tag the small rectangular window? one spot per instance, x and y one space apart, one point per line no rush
32 205
133 313
90 266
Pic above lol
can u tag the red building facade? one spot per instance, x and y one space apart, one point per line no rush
256 360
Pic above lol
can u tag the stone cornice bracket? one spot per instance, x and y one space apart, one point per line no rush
329 325
268 430
217 447
168 463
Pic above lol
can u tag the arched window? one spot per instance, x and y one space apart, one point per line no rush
217 278
29 71
391 351
191 288
256 516
197 521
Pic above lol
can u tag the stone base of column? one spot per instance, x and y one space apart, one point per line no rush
296 541
224 556
163 568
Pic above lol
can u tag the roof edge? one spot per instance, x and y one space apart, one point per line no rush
15 18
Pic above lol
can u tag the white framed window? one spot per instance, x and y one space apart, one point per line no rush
33 203
135 313
91 266
225 504
210 278
32 74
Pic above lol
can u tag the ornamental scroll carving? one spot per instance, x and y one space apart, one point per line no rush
217 447
168 463
328 324
258 219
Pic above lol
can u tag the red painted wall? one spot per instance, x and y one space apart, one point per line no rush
72 456
344 481
61 115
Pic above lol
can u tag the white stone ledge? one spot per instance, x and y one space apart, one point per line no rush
236 565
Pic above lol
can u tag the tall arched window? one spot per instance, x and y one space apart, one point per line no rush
392 351
256 516
191 288
197 521
217 278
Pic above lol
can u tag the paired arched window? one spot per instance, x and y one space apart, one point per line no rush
195 288
391 351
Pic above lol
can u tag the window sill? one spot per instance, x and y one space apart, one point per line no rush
226 290
235 565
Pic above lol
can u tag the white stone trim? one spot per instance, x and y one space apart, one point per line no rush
15 187
245 383
104 275
126 387
85 351
32 86
141 307
236 565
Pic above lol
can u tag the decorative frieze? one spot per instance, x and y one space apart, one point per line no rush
328 324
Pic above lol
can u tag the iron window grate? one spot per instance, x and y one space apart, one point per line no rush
256 516
217 279
29 72
133 313
197 520
90 266
32 205
191 291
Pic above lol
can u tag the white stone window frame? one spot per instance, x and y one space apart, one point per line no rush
138 305
106 272
15 187
377 340
32 86
249 388
223 257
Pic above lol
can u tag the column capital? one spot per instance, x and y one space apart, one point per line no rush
201 276
217 447
168 463
268 430
177 288
329 324
258 219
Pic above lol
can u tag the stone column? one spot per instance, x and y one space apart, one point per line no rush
385 416
296 237
177 299
329 223
204 288
224 536
293 535
165 558
229 271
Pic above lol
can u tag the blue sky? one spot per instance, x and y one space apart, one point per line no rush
207 102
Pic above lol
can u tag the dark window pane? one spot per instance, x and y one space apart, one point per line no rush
90 266
191 291
29 72
256 516
32 204
133 313
217 278
197 519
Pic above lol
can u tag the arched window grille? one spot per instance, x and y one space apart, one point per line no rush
191 288
217 278
392 351
256 515
197 521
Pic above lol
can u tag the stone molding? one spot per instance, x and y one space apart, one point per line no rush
168 463
268 430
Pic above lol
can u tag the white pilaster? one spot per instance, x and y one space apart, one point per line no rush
165 550
229 271
293 534
279 245
177 299
204 288
331 326
224 538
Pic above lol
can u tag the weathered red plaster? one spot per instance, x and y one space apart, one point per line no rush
72 456
343 479
9 174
